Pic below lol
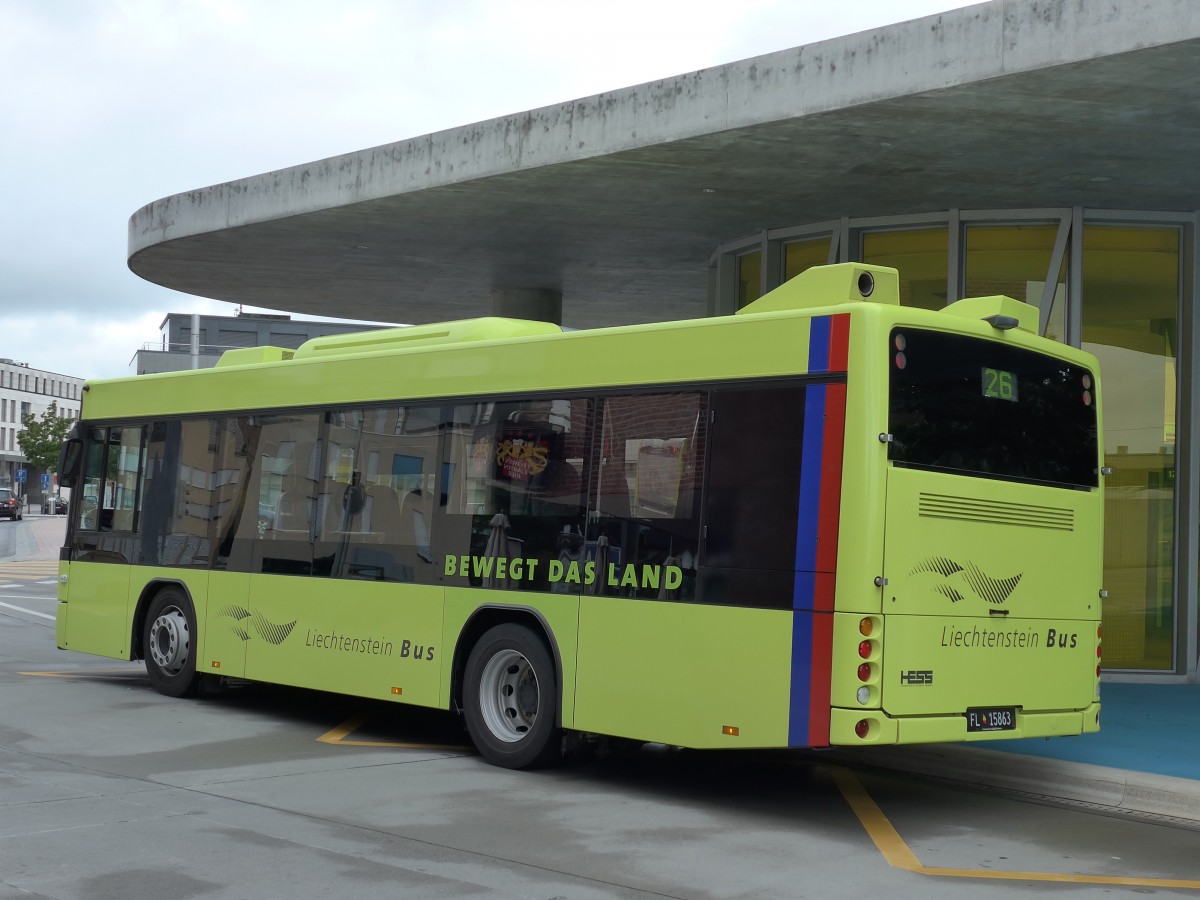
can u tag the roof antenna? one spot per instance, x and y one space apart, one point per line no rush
1003 323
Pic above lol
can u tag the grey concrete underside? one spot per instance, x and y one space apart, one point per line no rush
1013 103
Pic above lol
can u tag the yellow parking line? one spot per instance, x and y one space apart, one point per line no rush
337 735
899 856
86 672
880 830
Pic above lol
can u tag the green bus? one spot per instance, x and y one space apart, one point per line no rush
827 520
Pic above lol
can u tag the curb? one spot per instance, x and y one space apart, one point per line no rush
1119 790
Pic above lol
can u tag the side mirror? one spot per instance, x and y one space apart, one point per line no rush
69 457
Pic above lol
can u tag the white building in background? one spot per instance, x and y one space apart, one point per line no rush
25 390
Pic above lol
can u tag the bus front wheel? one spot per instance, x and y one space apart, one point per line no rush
169 644
509 692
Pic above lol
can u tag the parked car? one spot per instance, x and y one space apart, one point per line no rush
55 505
10 506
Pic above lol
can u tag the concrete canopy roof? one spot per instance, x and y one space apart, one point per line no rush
618 200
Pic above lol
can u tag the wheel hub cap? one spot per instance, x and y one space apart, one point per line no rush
509 695
170 641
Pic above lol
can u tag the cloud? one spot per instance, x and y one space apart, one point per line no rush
111 104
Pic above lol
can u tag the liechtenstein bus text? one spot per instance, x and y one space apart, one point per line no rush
826 520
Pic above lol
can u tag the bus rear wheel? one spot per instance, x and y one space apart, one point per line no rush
168 644
509 695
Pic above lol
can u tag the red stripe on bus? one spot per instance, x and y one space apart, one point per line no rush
829 506
822 664
839 343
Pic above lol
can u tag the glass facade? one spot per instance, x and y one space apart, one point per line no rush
919 255
1130 321
749 272
801 255
1015 260
1113 283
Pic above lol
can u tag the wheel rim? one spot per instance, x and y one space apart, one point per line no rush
509 696
170 641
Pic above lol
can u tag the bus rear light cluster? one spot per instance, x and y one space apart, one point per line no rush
870 628
862 728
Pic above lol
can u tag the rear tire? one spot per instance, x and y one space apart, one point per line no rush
510 694
169 644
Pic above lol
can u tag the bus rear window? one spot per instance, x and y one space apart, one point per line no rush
984 408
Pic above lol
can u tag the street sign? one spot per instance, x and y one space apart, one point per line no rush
45 481
21 476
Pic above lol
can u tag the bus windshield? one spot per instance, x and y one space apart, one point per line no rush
985 408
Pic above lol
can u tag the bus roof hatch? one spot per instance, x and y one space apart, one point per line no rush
485 328
999 311
246 356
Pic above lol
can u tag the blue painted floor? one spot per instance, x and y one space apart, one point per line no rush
1143 727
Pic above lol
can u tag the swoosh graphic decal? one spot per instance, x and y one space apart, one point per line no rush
957 577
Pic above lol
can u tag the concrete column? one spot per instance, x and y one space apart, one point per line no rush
538 304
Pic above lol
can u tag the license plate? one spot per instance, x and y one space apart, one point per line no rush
992 718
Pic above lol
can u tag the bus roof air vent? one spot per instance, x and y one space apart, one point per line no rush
1002 313
831 286
487 328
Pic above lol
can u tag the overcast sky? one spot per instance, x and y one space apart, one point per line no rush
107 105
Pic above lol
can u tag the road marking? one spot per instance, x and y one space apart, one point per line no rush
102 673
30 611
337 735
898 855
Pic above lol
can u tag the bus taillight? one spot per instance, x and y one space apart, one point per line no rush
862 727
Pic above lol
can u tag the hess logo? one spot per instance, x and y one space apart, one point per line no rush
917 676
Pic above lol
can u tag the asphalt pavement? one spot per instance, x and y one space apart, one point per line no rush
1145 761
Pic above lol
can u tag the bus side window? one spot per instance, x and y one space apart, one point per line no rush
376 497
127 444
752 496
644 523
93 481
280 507
513 490
177 511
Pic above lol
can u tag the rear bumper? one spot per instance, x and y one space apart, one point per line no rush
885 729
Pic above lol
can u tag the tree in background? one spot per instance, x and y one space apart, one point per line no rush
41 438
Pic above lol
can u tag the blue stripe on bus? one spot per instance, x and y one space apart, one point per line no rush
807 520
818 344
801 679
